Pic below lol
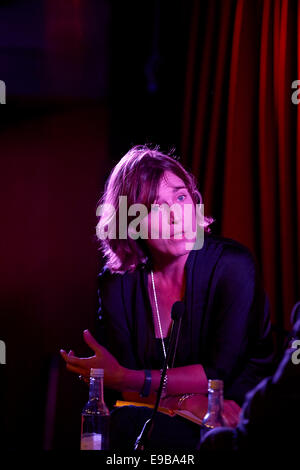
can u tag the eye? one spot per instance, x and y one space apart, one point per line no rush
181 197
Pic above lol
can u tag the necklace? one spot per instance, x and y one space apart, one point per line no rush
157 314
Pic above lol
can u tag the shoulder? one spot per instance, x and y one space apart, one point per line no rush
115 292
105 276
229 248
228 244
234 257
111 281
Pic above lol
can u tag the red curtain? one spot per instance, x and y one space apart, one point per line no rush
239 134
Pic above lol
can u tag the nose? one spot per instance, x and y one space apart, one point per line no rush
175 215
172 218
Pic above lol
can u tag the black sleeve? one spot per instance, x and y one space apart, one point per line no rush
240 346
111 329
112 325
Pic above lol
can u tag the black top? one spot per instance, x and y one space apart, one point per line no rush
157 357
225 326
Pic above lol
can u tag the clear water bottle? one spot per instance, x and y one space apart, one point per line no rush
95 416
214 415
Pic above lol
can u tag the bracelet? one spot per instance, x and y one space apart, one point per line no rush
147 384
165 384
183 398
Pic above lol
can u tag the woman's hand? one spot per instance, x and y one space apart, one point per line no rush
113 371
231 413
197 404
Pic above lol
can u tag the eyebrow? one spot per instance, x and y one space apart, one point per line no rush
176 188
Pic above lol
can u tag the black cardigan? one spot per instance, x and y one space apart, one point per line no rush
226 324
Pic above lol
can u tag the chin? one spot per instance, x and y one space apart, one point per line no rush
180 250
173 247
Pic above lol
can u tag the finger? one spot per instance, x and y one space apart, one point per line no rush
230 416
234 406
90 341
229 410
63 354
228 420
68 357
234 415
77 361
232 419
78 370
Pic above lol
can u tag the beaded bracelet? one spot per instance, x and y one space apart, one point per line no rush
183 398
147 384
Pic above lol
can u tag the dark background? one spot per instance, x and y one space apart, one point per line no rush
86 80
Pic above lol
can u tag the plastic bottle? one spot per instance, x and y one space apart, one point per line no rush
95 416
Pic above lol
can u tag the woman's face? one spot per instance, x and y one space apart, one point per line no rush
171 232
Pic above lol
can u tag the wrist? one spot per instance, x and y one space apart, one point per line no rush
121 378
131 380
145 391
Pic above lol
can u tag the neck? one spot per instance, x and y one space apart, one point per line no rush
170 270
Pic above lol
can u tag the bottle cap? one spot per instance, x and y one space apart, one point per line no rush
97 373
215 384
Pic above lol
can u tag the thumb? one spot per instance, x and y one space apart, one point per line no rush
90 341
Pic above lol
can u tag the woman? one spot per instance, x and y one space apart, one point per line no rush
151 262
